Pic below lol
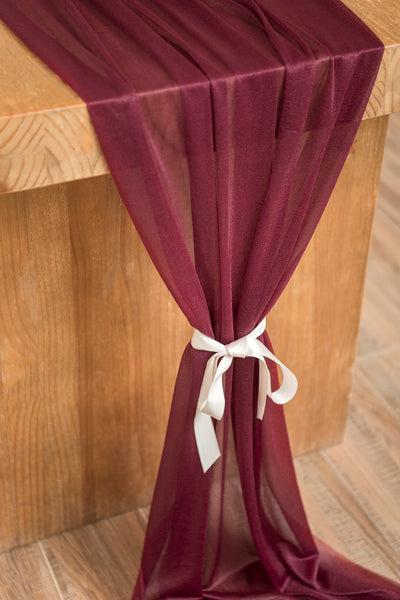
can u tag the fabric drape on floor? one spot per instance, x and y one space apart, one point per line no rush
225 124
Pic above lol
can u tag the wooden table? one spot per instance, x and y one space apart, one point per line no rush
81 305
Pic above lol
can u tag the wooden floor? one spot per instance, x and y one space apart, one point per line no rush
351 491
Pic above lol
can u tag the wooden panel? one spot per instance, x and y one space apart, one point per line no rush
314 326
84 396
46 136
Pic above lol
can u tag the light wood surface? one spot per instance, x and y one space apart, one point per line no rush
45 132
351 491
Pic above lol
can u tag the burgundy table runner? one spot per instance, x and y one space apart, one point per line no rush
225 124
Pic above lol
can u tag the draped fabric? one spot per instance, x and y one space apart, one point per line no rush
225 124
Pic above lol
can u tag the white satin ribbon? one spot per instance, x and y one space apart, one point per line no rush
211 401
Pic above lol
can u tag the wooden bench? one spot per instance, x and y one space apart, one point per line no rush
81 305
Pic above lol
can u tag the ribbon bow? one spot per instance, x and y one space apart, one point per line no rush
211 401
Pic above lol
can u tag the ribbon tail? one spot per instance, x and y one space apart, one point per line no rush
215 405
208 377
211 403
206 440
288 387
264 387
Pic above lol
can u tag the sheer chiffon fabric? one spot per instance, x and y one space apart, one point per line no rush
225 124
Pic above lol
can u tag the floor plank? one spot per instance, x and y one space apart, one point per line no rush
25 575
98 561
342 522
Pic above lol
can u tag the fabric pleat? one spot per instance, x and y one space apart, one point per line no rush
225 124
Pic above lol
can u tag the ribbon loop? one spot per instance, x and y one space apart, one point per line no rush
211 402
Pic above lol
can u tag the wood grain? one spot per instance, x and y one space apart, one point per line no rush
351 491
25 575
383 17
85 386
98 561
46 136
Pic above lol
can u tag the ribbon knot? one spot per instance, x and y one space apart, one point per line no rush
211 402
238 348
